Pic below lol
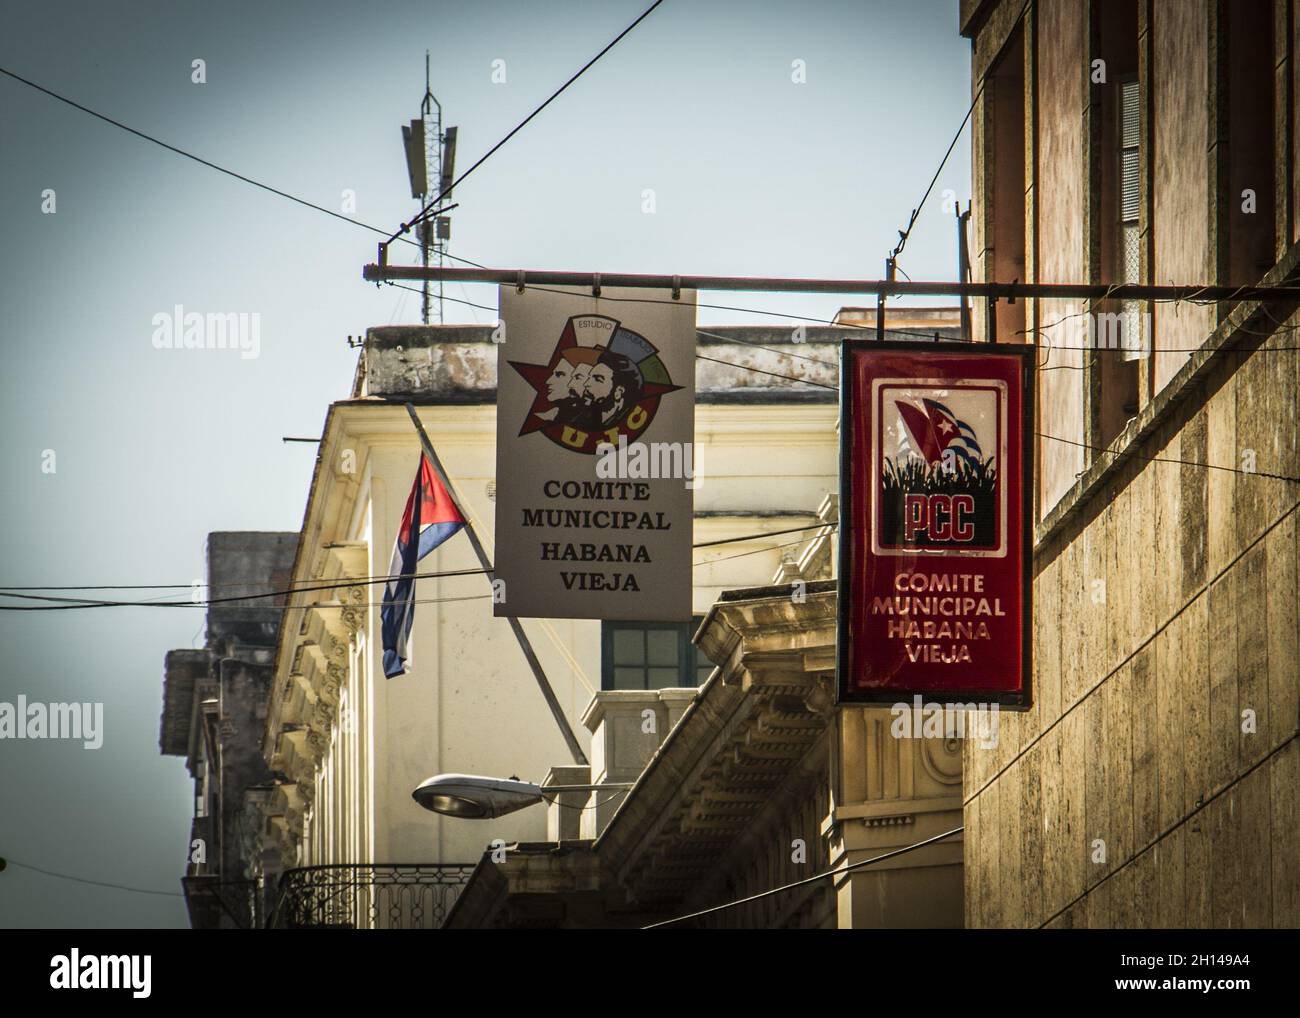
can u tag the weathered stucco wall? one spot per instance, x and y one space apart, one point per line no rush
458 363
1059 180
1166 609
1181 212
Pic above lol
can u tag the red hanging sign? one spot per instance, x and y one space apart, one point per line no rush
935 523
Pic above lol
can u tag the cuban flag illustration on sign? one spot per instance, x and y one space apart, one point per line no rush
938 431
431 517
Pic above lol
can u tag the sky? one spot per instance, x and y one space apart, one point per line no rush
119 458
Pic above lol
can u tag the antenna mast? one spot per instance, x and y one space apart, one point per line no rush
430 164
431 114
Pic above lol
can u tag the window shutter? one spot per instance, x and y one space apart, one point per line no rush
1129 161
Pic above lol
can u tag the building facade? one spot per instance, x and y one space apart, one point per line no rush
752 784
214 712
1154 782
345 837
353 745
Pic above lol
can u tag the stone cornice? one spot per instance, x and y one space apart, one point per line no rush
761 712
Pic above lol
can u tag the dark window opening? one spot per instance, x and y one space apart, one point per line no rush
1004 169
651 655
1250 137
1121 330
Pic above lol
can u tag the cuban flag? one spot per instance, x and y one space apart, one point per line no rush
937 431
431 517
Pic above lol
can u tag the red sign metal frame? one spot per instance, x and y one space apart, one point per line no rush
961 541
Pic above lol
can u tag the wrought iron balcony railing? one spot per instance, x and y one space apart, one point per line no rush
374 896
216 904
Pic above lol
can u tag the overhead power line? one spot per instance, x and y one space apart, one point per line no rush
905 233
189 155
477 265
95 883
209 163
429 208
23 593
839 870
64 603
72 602
1165 459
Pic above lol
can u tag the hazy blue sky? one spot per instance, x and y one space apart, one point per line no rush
752 173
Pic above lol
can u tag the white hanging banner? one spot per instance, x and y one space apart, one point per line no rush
595 454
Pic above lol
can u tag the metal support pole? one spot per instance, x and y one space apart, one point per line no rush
963 270
423 229
880 301
539 674
891 288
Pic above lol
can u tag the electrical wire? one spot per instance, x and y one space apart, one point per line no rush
312 587
905 233
1165 459
1038 434
1200 807
94 883
766 533
190 155
754 551
702 332
773 374
580 809
1132 655
769 349
337 604
223 169
73 602
838 871
867 328
377 230
454 300
428 209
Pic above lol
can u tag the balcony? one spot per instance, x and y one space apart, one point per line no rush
369 896
216 904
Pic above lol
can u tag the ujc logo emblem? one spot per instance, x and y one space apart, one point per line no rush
602 382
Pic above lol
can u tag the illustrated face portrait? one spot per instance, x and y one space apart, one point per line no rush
557 385
613 385
578 381
585 393
600 385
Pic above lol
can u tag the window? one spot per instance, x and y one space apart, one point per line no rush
1116 238
651 655
1003 230
1132 333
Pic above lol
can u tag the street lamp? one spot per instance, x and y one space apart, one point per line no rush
472 797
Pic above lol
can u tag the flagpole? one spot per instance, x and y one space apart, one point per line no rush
539 673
